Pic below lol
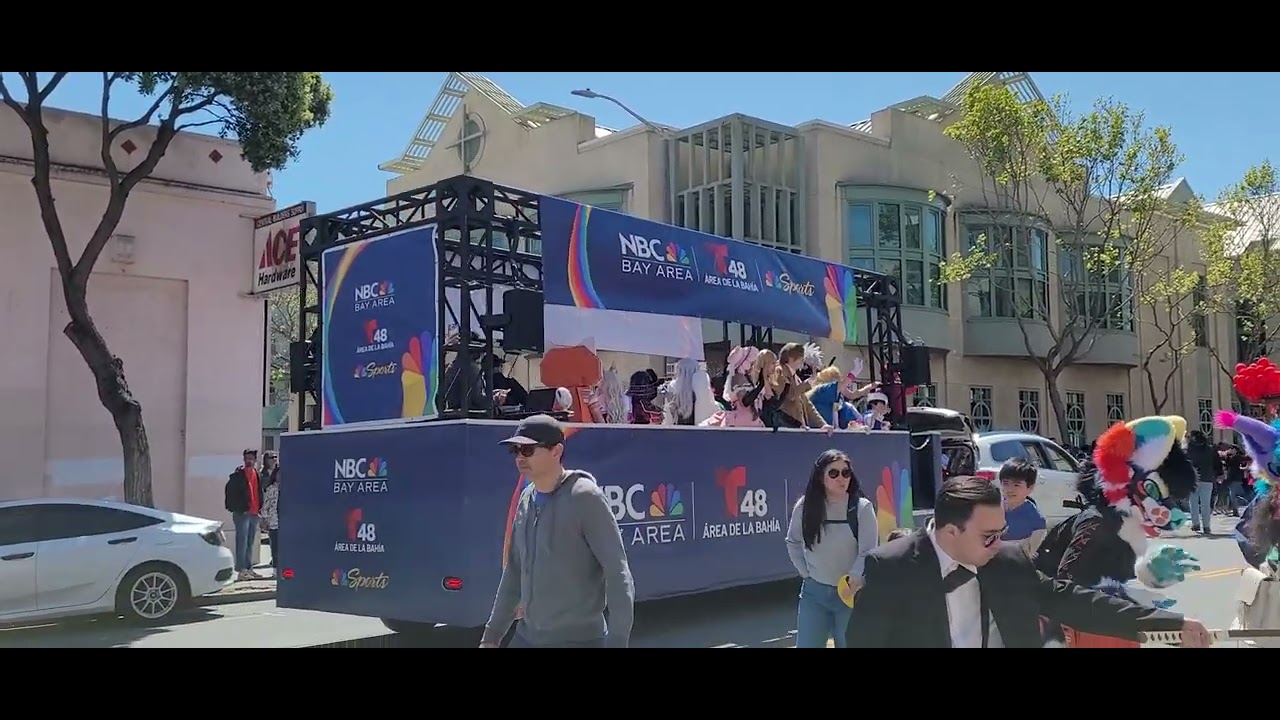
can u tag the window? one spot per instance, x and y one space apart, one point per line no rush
1017 283
904 239
926 396
1206 416
1056 459
980 405
1029 410
1009 449
1199 314
1076 430
1115 408
1102 297
59 521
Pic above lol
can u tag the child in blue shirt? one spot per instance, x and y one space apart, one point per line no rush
1026 526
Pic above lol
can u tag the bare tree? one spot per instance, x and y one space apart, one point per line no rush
268 112
1096 181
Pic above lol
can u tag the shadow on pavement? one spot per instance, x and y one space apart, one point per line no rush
96 632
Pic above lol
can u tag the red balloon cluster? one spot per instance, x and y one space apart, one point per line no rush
1258 381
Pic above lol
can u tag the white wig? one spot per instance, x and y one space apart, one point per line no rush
681 388
611 397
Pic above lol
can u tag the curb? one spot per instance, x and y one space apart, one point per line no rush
235 598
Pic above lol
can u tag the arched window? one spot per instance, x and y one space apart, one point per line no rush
1029 410
980 408
899 232
1076 426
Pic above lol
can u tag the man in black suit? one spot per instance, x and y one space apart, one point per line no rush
934 588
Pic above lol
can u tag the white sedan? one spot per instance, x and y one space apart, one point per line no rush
63 557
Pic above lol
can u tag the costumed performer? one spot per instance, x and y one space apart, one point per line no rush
1256 533
641 394
787 405
1138 473
877 415
608 398
833 396
690 399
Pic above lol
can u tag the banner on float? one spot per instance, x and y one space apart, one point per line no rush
603 260
379 325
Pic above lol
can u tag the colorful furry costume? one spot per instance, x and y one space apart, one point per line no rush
1138 473
1262 444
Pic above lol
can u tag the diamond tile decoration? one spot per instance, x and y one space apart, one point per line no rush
128 147
215 156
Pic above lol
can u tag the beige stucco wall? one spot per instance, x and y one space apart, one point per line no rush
191 343
901 153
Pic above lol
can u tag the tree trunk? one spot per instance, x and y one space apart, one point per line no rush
114 394
1055 400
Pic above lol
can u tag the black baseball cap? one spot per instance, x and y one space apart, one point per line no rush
537 430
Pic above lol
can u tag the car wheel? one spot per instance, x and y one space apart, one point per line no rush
151 593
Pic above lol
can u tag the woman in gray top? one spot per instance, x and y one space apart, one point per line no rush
832 529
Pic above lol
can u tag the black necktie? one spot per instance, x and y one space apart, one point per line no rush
956 578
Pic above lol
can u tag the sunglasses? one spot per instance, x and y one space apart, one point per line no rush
834 473
990 538
525 450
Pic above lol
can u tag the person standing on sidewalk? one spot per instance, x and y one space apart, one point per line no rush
1208 466
271 505
243 499
566 562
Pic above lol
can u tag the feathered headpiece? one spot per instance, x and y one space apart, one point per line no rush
813 356
1141 465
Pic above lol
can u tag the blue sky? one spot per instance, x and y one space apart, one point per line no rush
375 114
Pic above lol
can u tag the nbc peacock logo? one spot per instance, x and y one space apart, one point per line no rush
893 500
769 278
676 254
653 515
666 502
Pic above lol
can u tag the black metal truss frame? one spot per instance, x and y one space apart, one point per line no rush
460 207
480 210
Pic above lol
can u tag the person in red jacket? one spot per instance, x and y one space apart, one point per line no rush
243 499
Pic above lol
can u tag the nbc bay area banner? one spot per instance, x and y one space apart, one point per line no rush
602 260
379 325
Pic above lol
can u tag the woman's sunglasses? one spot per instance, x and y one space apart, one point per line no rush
834 473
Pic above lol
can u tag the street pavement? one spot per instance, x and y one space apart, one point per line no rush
760 617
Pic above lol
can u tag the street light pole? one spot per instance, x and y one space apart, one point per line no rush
668 148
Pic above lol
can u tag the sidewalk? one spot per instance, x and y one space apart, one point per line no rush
243 591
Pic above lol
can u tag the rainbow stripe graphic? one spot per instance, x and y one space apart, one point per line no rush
894 503
842 303
332 414
579 270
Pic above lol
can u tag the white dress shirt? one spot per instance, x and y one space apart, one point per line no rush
964 605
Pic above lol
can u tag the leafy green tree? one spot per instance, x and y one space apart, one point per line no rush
268 112
1245 266
282 326
1097 180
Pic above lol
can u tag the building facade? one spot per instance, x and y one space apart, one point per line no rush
892 194
168 294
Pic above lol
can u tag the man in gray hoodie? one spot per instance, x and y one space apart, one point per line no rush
567 561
